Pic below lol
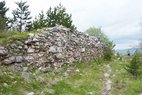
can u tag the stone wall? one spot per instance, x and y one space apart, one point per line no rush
51 47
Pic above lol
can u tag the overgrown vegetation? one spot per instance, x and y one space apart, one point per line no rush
135 66
21 20
123 83
54 16
39 22
82 79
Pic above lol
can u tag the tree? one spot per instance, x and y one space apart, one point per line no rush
22 16
97 32
3 18
108 45
2 24
39 22
58 16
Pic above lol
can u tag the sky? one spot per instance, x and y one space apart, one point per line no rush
120 20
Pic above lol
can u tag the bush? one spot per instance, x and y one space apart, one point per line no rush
135 66
108 53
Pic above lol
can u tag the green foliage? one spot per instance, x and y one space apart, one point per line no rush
135 66
3 9
97 32
39 22
54 16
107 54
2 24
108 51
3 18
58 16
22 16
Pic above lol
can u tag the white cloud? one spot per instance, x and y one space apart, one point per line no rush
119 19
123 29
128 44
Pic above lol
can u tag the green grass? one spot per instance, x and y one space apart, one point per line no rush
88 80
123 82
9 82
6 37
12 83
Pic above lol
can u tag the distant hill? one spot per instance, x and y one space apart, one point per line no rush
131 50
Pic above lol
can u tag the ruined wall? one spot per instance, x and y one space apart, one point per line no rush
51 46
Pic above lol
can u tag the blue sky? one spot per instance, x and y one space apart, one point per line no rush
120 19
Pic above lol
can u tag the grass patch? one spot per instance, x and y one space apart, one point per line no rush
5 37
89 79
12 83
123 82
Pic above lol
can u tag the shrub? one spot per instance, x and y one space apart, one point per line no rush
135 66
108 52
107 55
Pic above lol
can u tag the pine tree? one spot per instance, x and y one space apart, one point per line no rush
3 18
58 16
22 16
39 22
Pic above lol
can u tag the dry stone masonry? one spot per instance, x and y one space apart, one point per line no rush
51 47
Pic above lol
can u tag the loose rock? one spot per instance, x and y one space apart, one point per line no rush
53 46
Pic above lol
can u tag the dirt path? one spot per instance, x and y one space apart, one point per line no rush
106 90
